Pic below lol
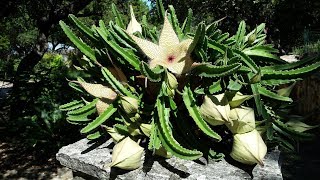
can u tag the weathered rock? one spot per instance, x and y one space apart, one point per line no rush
91 159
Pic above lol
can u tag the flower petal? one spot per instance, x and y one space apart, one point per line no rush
150 49
168 37
181 67
133 25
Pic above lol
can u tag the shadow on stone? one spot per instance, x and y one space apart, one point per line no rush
247 168
173 169
148 162
95 144
115 172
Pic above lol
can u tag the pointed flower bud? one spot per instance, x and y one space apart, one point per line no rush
248 148
99 91
286 91
163 152
170 92
114 134
118 74
256 78
133 25
146 129
101 106
252 38
243 120
129 104
215 109
127 155
171 81
237 99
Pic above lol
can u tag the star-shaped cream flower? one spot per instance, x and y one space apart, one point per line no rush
170 52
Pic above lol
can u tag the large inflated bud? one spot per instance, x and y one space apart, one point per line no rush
127 155
243 120
129 104
215 109
248 148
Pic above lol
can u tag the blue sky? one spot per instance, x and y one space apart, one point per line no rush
148 2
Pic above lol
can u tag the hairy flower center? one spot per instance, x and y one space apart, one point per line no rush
170 59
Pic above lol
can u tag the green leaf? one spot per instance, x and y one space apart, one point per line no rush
299 126
286 66
115 83
93 136
154 141
262 53
193 110
117 15
222 37
88 109
277 82
75 86
160 9
291 74
186 27
83 47
215 87
126 55
79 118
85 30
239 37
121 129
71 106
175 22
257 98
208 70
247 60
150 74
265 92
284 143
234 85
289 132
100 119
216 46
198 37
165 135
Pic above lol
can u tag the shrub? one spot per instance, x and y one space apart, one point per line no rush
183 91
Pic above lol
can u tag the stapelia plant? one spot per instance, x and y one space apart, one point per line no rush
181 90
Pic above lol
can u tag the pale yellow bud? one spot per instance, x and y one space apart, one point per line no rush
133 25
248 148
99 91
127 155
286 91
215 109
129 104
146 128
170 92
163 152
243 120
101 106
114 134
118 74
237 99
252 38
171 81
133 128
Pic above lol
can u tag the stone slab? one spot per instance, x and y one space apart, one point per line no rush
91 159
